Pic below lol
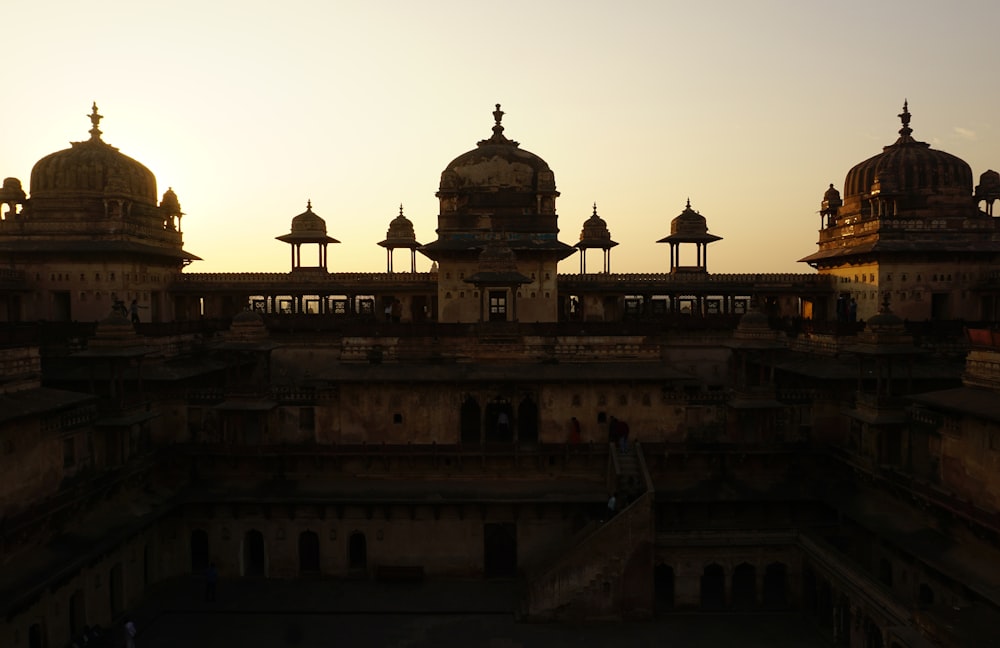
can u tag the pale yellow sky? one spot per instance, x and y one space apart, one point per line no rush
249 109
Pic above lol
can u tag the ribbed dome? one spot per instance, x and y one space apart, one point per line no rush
497 164
400 228
831 200
987 189
595 229
92 169
909 166
169 204
689 223
11 191
308 223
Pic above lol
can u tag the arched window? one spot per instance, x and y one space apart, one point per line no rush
527 421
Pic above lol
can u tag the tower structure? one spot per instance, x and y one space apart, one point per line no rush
91 233
689 227
497 191
909 225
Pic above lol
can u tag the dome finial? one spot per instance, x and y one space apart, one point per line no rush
904 116
595 208
95 119
689 204
400 209
309 204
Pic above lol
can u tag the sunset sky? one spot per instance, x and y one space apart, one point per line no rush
750 109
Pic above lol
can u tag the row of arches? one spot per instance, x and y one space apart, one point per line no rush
499 421
253 557
739 590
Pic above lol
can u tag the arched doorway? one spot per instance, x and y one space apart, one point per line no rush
309 552
499 421
357 551
527 421
116 597
500 550
713 588
199 551
776 586
470 421
254 557
745 587
809 602
663 586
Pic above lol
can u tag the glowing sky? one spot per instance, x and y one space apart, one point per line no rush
248 109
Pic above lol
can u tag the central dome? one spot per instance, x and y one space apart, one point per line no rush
911 167
92 169
497 164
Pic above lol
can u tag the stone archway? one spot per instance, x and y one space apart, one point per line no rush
775 593
357 551
500 550
663 586
199 551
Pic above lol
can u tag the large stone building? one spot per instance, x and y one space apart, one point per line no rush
795 444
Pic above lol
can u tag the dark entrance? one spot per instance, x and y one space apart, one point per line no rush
357 551
77 613
61 303
775 586
500 550
199 551
35 636
253 554
116 597
663 584
527 421
470 421
713 588
308 552
744 587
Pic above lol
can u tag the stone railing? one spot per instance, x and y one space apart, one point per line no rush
361 279
687 279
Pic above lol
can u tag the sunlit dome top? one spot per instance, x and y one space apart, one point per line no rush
497 164
400 229
307 227
92 169
909 166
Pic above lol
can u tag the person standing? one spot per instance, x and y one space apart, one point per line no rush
612 505
130 633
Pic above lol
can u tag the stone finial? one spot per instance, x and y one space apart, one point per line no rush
95 119
904 117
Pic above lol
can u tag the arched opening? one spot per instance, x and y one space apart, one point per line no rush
199 551
713 588
77 613
527 421
357 551
470 424
663 587
776 585
309 552
254 559
499 423
873 635
925 596
809 602
116 597
36 636
500 550
745 587
885 572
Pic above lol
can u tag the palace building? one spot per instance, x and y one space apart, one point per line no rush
823 442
